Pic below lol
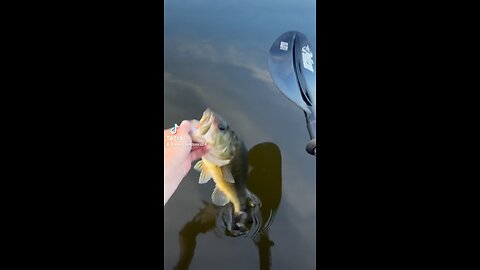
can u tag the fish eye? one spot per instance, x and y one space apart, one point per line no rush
221 127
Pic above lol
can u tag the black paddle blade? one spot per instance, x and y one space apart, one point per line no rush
292 67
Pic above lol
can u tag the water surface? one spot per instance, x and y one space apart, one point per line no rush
216 56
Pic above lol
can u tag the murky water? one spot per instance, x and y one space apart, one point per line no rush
216 55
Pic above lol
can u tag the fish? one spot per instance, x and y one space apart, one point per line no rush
226 163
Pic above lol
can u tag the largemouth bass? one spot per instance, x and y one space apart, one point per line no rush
226 163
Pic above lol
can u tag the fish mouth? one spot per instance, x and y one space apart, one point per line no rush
202 130
208 119
207 115
207 123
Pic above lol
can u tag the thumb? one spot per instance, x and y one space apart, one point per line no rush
185 127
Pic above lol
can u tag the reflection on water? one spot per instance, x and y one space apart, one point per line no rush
216 56
265 180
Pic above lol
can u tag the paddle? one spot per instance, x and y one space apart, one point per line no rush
292 67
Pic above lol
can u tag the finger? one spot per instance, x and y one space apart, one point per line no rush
185 127
198 153
184 134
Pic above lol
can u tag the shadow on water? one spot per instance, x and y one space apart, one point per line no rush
265 180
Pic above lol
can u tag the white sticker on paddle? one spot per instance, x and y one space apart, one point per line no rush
307 57
283 46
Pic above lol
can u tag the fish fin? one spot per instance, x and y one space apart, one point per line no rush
219 198
198 166
227 174
204 177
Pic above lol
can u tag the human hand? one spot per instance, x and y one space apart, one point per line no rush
178 157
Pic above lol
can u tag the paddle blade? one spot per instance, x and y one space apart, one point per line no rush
291 65
305 66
